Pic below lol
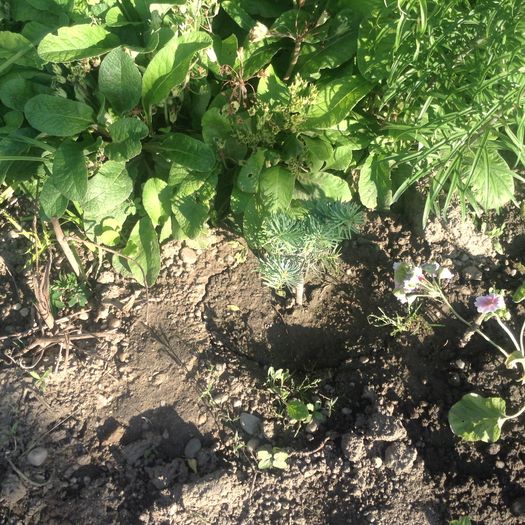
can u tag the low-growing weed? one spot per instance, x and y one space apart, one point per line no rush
67 291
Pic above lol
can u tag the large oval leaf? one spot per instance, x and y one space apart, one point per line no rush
120 81
76 42
335 100
70 174
170 66
143 248
57 115
375 185
186 151
17 49
276 188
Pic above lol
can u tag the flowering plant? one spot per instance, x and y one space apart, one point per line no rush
474 417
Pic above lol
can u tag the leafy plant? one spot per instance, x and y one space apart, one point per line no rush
272 457
68 291
297 403
40 379
462 521
474 417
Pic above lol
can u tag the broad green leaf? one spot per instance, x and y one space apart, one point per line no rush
143 248
196 181
156 199
53 203
377 36
238 14
257 56
265 8
191 214
264 458
335 100
126 134
11 147
217 131
319 151
248 178
375 185
170 66
297 410
187 151
325 186
342 157
280 459
293 23
57 115
120 81
70 174
272 90
109 188
491 180
477 418
335 51
17 49
226 50
276 188
15 92
76 42
239 200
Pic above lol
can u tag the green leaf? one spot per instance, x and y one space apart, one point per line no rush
76 42
377 37
248 178
477 418
325 186
156 199
335 51
272 90
276 188
519 294
57 115
491 180
170 66
53 203
109 188
15 92
335 100
375 185
280 459
342 157
17 49
265 459
70 174
187 151
293 23
238 14
120 81
126 134
143 248
191 214
297 410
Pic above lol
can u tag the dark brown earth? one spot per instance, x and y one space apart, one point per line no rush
115 420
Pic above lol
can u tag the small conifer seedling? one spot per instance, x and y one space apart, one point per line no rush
293 249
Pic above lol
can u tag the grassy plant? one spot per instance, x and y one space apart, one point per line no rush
67 291
411 322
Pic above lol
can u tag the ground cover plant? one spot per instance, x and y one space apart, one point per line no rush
138 122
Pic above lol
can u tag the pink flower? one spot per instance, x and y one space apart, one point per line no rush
489 303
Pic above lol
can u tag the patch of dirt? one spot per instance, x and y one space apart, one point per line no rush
142 425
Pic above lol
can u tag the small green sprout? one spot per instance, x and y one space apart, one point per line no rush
67 291
272 457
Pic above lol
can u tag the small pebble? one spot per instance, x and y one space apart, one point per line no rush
460 364
237 403
188 256
312 427
192 447
518 506
17 306
250 424
346 411
37 456
500 464
378 462
24 312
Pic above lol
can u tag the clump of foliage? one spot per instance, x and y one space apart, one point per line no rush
295 248
142 121
68 291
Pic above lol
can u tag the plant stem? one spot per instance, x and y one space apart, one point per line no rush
72 257
464 321
509 333
293 60
299 293
517 414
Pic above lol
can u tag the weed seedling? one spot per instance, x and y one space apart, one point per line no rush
68 291
272 457
40 380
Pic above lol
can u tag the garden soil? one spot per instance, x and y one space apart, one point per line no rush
142 423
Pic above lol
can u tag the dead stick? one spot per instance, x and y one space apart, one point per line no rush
72 257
